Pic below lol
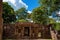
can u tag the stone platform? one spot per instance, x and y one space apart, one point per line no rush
27 39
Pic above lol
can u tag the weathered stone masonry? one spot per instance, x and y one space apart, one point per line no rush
26 30
1 21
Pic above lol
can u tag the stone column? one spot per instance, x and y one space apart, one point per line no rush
1 21
53 35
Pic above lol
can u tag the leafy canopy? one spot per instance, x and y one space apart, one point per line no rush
21 13
8 13
39 15
51 5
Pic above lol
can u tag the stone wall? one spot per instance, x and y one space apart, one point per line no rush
1 21
17 30
58 34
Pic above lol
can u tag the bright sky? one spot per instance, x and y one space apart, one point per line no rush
28 4
31 4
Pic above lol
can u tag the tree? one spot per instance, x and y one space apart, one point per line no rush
52 21
39 15
57 27
51 5
21 13
29 16
8 13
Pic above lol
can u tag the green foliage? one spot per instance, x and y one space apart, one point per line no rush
52 5
8 13
57 26
29 16
51 21
21 13
39 15
22 20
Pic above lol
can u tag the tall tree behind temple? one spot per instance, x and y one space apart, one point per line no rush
39 15
21 14
51 5
8 13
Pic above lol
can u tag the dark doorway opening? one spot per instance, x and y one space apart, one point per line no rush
26 31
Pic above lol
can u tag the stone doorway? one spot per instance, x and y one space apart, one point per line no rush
26 31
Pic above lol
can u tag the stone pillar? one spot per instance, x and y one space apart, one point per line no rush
53 35
1 20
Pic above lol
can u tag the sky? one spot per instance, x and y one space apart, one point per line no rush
31 4
28 4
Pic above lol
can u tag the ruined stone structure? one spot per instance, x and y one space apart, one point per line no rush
26 30
58 34
1 21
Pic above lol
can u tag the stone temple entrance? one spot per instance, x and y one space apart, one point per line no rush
26 32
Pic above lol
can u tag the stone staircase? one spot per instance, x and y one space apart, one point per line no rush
27 39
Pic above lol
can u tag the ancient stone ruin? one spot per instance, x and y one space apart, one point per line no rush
26 30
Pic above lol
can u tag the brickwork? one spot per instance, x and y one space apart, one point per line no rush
53 34
17 31
1 21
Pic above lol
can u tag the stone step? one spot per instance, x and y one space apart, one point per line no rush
27 39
